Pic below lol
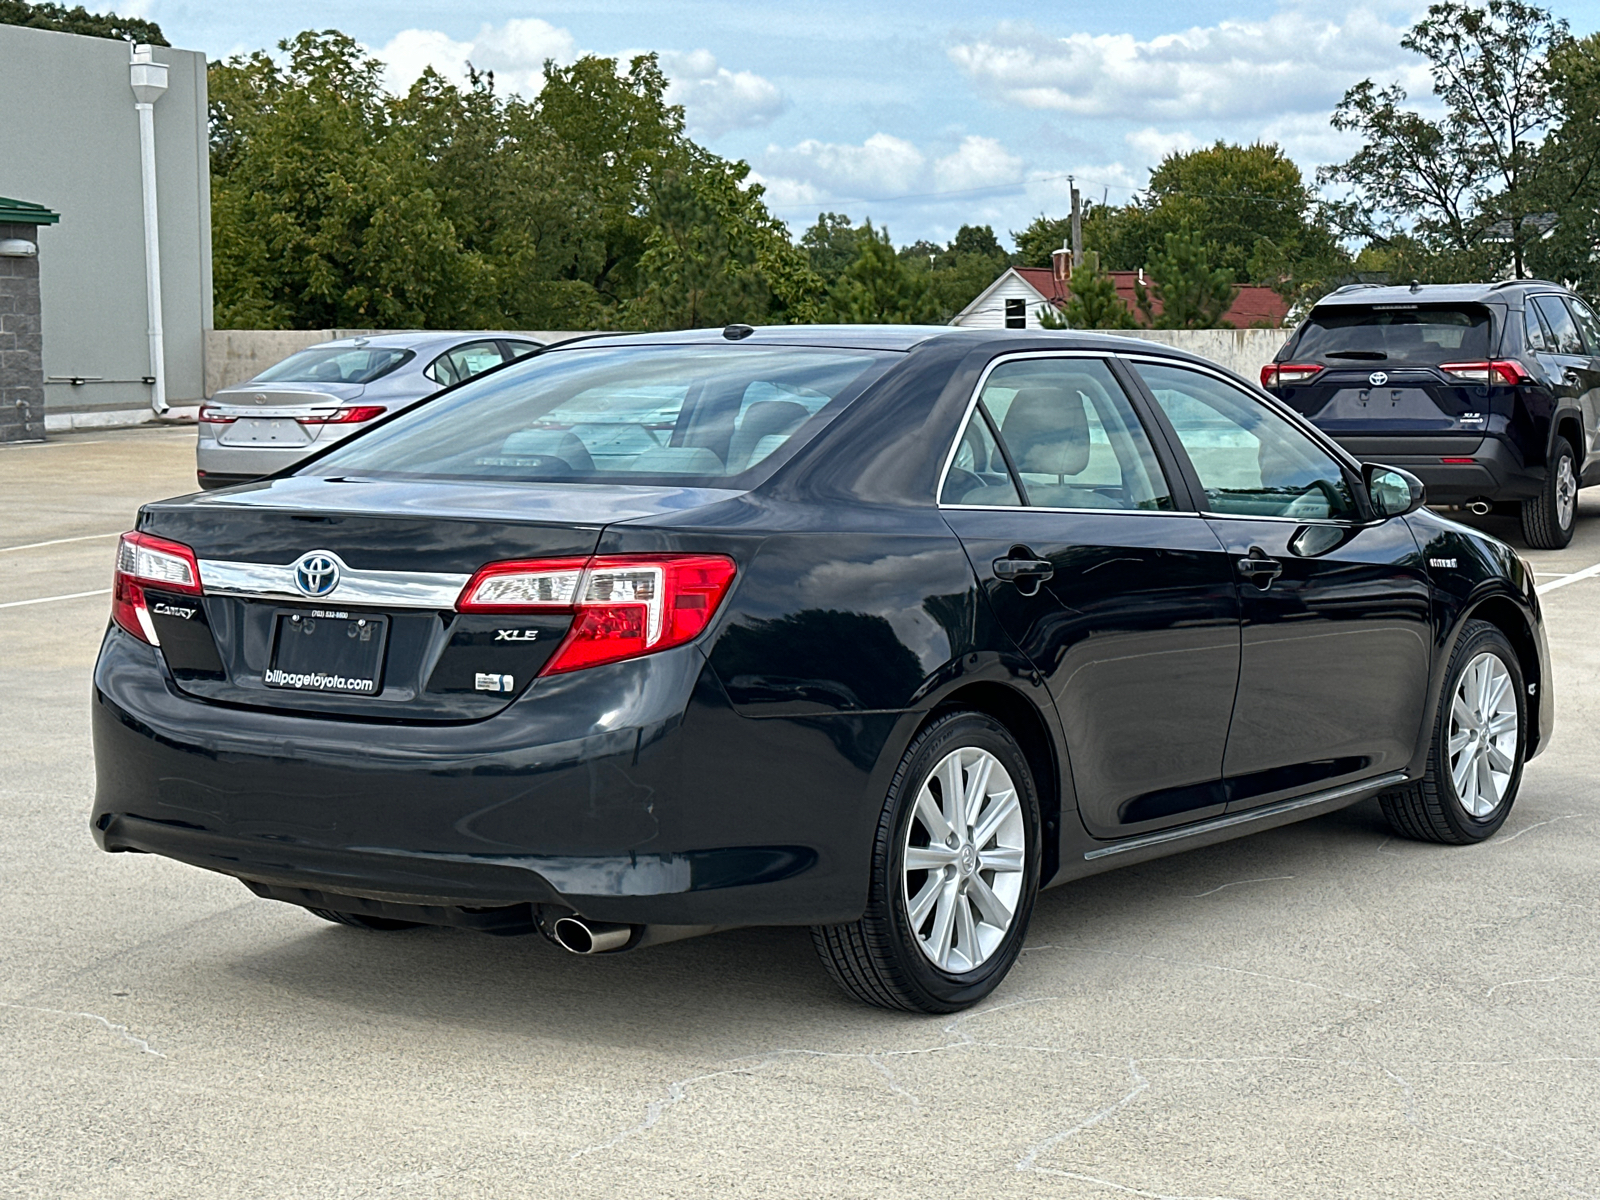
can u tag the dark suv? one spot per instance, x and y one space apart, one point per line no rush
1488 392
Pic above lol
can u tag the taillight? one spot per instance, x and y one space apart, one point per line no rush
217 416
623 606
1501 370
1288 374
146 561
343 416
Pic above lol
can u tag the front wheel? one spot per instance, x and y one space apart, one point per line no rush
955 868
1548 520
1479 743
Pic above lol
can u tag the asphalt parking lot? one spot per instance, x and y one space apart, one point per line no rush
1318 1011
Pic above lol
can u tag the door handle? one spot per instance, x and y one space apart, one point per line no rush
1260 569
1013 569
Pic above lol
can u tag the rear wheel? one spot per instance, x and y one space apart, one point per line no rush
955 868
1548 521
378 924
1475 762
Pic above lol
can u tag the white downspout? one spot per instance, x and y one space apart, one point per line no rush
149 80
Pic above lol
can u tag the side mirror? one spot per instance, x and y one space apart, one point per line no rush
1393 492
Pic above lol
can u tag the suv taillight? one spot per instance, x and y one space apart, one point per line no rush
1500 370
1288 374
623 606
146 561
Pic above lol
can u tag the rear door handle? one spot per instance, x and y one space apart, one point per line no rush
1013 569
1258 567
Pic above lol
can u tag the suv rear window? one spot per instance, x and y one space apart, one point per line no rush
690 415
1421 334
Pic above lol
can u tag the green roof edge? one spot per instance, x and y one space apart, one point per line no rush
20 212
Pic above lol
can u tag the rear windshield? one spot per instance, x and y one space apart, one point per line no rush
677 414
1424 334
335 364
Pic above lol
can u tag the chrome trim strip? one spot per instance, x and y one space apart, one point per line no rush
384 589
1254 814
1041 508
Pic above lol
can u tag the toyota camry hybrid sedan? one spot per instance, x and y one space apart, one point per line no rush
873 630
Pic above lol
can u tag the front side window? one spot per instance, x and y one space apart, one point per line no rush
1251 461
684 414
1588 324
1071 435
1562 326
335 364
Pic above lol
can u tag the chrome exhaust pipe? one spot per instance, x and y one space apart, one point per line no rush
578 936
1479 508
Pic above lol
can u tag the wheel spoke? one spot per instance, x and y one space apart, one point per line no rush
1499 684
922 903
954 794
972 794
1502 724
929 858
943 924
967 933
1001 858
930 816
1459 741
995 910
1461 775
1498 759
1488 793
1461 709
1001 806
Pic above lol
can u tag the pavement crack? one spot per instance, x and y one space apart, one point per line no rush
1236 883
120 1030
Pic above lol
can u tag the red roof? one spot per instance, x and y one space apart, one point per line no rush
1254 306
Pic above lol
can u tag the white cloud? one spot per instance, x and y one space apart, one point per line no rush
979 162
1152 145
883 165
515 52
1290 62
715 99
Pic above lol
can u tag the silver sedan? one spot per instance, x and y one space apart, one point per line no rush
326 392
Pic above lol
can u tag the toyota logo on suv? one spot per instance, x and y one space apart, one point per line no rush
1378 379
317 573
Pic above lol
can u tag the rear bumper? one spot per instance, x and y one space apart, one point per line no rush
631 793
1496 471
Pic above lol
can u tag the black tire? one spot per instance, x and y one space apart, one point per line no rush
879 959
1557 502
1429 809
359 921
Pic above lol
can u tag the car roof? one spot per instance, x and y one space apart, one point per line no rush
424 339
886 337
1436 293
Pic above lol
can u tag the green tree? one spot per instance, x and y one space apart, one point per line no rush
1465 187
830 245
958 272
1040 239
1191 293
78 19
1569 179
878 287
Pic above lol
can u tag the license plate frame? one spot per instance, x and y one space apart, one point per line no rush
327 652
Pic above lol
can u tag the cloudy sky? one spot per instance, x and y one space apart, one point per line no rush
922 114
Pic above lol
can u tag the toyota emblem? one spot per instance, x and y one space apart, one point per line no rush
317 573
1378 379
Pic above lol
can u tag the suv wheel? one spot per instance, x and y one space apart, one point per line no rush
955 867
1548 521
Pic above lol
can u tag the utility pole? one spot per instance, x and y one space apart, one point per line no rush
1077 224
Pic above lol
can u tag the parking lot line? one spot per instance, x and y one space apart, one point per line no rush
48 599
1562 581
88 537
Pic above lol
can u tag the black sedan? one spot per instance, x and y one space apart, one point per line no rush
874 630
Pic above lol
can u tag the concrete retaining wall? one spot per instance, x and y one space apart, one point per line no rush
1242 351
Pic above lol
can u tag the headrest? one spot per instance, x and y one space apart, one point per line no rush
1047 431
560 443
678 460
763 419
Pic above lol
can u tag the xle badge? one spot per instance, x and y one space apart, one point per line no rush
515 635
493 683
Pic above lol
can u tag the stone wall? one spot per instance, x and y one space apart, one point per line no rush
21 344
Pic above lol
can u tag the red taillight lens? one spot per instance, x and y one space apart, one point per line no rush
623 605
146 561
1288 374
343 416
1501 370
216 416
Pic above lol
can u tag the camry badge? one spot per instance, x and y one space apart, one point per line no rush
317 573
1378 378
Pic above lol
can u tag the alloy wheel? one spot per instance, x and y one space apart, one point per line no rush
1566 493
965 858
1483 735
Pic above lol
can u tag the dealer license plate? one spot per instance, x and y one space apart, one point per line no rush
324 650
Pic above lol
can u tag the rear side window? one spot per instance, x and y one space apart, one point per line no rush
679 414
1401 334
335 364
